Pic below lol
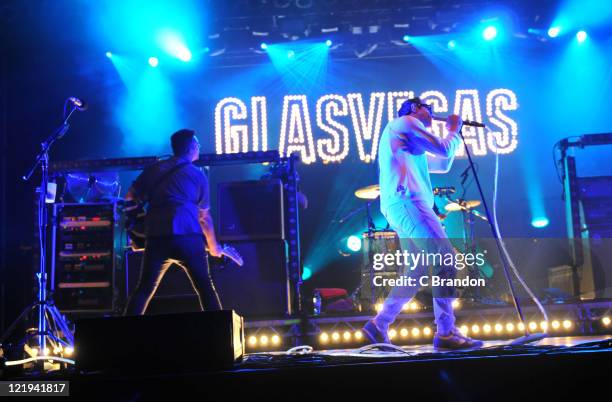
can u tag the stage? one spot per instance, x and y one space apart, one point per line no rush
556 368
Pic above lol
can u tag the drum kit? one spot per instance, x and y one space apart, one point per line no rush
386 240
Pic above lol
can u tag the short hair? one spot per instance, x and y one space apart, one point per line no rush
181 141
406 107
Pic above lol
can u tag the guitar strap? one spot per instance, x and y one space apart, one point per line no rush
165 177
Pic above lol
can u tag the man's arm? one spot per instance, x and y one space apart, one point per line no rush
208 228
413 133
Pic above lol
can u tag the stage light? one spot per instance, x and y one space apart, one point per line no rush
68 351
263 340
378 307
520 326
464 329
489 33
456 304
543 325
109 54
475 328
427 331
358 335
353 243
275 340
173 43
290 54
553 32
567 324
306 273
509 327
540 222
153 61
347 336
263 46
324 337
406 38
416 332
46 352
451 44
328 43
486 328
605 321
414 305
581 36
555 324
335 336
533 326
499 328
392 333
403 332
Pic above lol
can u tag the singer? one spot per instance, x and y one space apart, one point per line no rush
406 201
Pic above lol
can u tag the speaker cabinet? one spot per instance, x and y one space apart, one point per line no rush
250 210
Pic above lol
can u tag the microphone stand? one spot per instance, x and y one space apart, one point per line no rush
52 325
527 337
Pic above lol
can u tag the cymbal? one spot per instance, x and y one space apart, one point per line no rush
459 206
368 192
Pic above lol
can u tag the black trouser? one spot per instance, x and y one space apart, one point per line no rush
160 253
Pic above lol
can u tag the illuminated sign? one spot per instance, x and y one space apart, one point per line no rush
355 118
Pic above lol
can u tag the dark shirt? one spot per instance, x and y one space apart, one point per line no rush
173 208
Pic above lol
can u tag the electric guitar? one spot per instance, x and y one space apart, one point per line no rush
134 225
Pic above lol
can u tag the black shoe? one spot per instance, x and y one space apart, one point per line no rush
374 334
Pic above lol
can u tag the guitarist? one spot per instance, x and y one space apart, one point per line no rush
178 224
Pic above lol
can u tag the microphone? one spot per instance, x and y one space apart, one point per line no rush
78 104
465 122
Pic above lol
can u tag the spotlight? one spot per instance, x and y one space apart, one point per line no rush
306 273
543 325
324 337
353 243
263 46
486 328
404 332
347 336
358 335
46 352
605 321
414 305
336 336
540 222
553 32
509 327
567 324
464 329
533 326
475 328
520 326
499 328
68 351
275 340
263 340
109 54
184 54
489 33
252 340
378 307
451 44
328 43
153 61
581 36
427 331
416 332
406 38
392 333
555 324
456 304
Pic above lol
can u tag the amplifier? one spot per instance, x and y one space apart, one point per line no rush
83 257
250 210
164 343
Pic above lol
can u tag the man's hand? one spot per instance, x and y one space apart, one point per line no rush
453 123
215 249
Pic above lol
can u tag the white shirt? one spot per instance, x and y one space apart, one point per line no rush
404 165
